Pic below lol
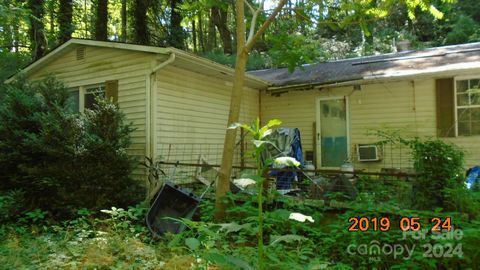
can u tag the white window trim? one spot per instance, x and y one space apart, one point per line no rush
462 78
82 90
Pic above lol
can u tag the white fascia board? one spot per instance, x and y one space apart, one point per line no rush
252 80
117 45
86 42
430 72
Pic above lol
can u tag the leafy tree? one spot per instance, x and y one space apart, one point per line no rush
63 160
140 29
244 46
11 62
177 36
38 39
65 20
123 15
219 18
101 20
462 31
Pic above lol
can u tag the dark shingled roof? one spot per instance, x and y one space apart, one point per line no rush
393 64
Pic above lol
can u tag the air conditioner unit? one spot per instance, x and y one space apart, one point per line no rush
369 152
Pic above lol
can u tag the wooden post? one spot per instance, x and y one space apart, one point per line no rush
242 148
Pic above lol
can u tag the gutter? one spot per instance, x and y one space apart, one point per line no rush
170 60
151 104
313 86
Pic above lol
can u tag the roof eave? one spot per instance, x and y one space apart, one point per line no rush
253 81
445 71
85 42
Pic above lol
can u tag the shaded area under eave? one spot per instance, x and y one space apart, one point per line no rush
395 64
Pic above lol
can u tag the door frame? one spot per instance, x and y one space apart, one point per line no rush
318 130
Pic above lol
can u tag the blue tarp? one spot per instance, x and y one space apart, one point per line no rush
287 142
472 176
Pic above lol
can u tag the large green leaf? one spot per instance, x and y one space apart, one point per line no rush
274 122
288 238
192 243
227 261
234 227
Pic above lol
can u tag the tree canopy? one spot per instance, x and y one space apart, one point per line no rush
303 32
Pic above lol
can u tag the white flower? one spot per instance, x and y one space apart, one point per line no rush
244 182
286 161
300 217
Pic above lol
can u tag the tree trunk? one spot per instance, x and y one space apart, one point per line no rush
140 29
124 21
243 48
8 37
65 20
176 38
16 37
101 20
38 40
211 34
219 18
194 35
223 183
200 32
51 10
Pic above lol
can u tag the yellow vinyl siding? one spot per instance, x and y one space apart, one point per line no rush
471 146
192 112
408 106
102 64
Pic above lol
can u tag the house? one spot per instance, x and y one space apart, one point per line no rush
171 97
427 93
177 99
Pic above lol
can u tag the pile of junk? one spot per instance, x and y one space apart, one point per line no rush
303 181
172 202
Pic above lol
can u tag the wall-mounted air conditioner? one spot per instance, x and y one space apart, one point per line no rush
369 152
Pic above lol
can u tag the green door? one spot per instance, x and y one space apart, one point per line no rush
332 135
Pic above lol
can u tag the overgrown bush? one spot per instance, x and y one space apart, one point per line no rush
440 165
10 204
60 159
114 239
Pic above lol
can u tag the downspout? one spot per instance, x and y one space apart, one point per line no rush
152 105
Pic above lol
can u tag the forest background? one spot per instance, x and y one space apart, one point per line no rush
304 32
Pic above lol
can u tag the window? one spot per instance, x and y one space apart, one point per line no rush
91 93
74 99
467 109
83 97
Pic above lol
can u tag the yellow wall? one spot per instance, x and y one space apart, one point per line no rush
191 109
408 106
192 112
102 64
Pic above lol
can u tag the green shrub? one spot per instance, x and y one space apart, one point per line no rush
10 204
63 160
441 167
462 31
